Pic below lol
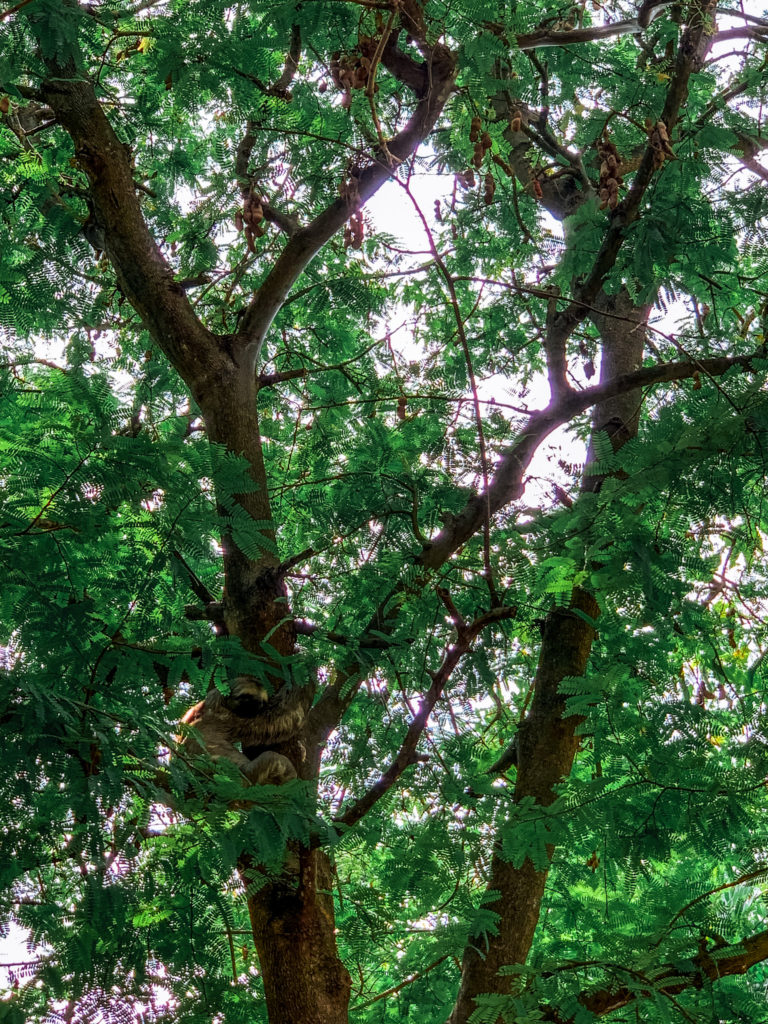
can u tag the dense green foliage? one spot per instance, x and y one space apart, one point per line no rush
397 376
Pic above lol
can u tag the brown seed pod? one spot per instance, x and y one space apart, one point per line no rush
253 212
361 73
610 178
659 141
474 129
466 178
490 188
251 218
342 68
354 231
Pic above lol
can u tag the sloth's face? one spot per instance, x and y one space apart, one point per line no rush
247 697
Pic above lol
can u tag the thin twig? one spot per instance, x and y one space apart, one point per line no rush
403 984
406 756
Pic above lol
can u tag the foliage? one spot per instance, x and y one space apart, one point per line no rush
400 379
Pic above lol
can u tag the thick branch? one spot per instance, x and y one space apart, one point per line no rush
696 40
307 242
281 86
759 34
410 72
143 273
268 380
750 148
507 482
547 739
554 350
701 969
590 34
255 596
544 37
647 13
562 194
285 221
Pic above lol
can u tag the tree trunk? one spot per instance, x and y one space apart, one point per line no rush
294 934
547 741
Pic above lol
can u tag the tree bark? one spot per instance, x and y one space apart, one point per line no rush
293 926
547 740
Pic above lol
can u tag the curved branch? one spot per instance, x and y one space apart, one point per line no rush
590 34
701 969
759 34
280 88
696 41
507 482
305 243
143 273
12 10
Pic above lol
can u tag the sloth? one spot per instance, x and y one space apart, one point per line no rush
250 717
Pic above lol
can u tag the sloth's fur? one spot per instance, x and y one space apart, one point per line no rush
251 718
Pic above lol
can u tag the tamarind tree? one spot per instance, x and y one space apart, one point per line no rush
407 360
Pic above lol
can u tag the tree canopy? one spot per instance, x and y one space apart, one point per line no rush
483 498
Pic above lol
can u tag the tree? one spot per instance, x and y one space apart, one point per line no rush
248 439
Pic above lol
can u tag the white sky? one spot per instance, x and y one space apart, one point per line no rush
392 210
